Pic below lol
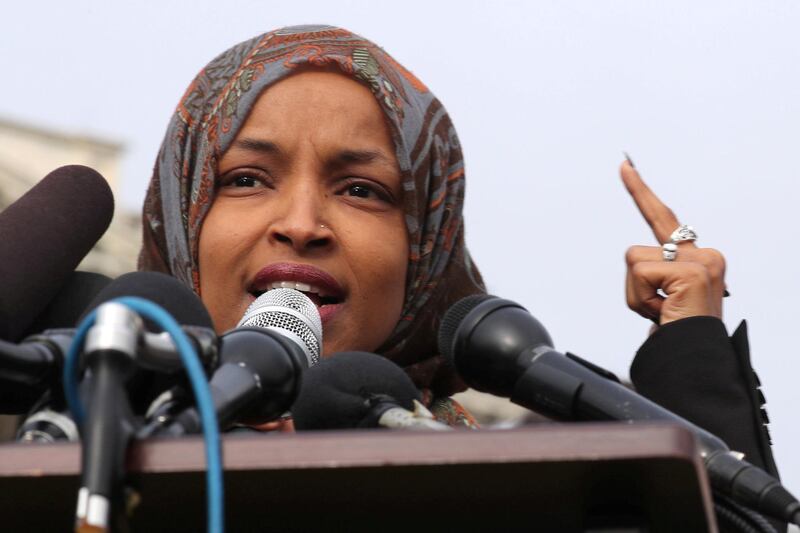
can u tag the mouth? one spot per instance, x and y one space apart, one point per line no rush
316 294
319 286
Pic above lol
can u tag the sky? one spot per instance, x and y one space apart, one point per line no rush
545 95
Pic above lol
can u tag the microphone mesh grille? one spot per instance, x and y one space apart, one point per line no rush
273 309
452 319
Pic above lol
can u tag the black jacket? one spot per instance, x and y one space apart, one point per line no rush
694 369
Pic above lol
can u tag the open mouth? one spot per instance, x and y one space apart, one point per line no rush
320 296
319 286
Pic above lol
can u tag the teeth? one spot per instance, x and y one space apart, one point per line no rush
302 287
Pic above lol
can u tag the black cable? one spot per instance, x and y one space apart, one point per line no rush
734 518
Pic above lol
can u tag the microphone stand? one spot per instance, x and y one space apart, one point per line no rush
111 348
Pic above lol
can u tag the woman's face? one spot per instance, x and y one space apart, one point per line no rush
309 196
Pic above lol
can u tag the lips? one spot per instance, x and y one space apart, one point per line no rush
322 288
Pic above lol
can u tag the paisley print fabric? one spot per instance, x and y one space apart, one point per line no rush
216 105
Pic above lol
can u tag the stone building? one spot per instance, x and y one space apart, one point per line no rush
28 153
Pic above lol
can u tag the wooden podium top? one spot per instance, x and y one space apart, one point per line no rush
564 477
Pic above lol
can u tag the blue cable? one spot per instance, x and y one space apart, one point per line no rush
70 377
200 388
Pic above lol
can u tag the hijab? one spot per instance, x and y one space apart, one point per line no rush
216 105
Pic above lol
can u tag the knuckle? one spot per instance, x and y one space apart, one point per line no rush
696 273
714 262
630 255
635 254
638 269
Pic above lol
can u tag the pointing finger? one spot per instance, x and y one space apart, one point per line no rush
659 217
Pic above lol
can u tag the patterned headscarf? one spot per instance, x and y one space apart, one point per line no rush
216 105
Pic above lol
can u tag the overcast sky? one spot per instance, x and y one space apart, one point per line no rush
545 95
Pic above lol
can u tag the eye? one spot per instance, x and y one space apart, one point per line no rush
367 190
360 191
244 181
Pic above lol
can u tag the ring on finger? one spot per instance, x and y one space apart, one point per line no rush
669 251
683 233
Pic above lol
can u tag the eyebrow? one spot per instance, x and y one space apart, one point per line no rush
343 157
363 156
255 145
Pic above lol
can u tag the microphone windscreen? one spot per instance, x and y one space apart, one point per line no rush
337 392
79 291
177 300
45 234
452 320
166 291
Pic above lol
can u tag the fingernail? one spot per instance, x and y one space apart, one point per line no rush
628 158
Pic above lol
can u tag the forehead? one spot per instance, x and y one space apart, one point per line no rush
317 101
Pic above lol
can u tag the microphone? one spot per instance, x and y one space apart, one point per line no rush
112 353
70 303
156 351
292 314
159 366
162 289
45 235
33 366
499 348
28 369
262 361
360 390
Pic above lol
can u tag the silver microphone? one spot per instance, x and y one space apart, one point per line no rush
290 313
259 375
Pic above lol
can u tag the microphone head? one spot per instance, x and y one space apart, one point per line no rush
291 313
77 294
341 391
452 320
45 235
484 336
177 300
168 292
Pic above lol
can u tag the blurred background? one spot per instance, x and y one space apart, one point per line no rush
545 95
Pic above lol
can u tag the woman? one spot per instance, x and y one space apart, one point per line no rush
308 156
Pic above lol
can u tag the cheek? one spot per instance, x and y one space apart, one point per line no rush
220 250
211 248
224 238
383 261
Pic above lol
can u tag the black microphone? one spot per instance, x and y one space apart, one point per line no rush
76 296
45 235
499 348
360 390
30 368
33 367
159 366
261 365
166 291
113 354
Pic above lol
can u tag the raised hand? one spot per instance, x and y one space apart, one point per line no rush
664 291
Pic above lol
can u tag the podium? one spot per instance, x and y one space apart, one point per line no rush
551 477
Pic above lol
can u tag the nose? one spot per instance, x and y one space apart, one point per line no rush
299 222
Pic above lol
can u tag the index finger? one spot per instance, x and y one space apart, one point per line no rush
659 217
